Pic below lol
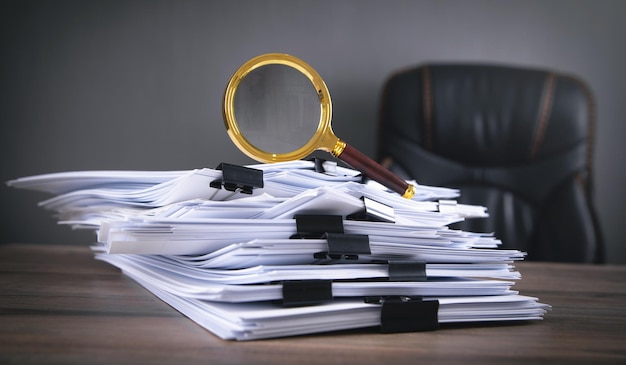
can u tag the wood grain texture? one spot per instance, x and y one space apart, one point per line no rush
60 306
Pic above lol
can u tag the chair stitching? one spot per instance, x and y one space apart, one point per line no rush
387 162
427 108
546 108
591 118
580 178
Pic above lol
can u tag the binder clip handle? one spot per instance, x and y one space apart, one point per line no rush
238 178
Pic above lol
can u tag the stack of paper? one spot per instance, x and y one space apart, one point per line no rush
249 266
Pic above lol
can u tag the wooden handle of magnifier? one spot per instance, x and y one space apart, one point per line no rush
376 172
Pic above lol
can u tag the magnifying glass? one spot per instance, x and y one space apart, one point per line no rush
277 108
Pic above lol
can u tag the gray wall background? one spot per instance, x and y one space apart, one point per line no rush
90 85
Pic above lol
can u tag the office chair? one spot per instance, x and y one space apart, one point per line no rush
518 141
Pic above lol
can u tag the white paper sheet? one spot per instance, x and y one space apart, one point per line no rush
222 257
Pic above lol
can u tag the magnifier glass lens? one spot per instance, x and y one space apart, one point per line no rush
277 108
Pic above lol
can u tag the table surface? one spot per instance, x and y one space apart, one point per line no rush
59 305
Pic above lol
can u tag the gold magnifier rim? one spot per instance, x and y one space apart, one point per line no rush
322 139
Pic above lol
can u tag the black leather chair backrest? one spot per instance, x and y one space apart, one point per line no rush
518 141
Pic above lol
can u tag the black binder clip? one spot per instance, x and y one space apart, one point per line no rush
407 314
345 246
238 178
324 167
313 226
330 228
374 211
306 292
407 271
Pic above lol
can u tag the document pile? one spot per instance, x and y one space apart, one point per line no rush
285 249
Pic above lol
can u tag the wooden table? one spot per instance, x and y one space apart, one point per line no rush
59 305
